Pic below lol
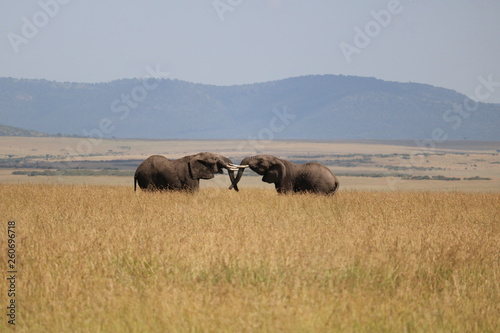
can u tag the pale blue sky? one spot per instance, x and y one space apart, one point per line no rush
449 43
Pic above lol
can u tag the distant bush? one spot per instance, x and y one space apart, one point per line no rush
439 177
372 175
76 172
477 178
404 168
445 178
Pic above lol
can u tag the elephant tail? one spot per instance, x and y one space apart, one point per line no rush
336 188
135 183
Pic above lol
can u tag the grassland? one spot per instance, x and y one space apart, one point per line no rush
361 165
106 259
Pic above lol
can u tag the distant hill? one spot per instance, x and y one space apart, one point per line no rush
310 107
15 131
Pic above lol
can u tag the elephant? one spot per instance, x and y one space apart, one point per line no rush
160 173
288 176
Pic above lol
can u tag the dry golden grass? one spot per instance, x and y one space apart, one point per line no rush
106 259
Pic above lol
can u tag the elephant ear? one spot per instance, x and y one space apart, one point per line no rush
199 170
276 173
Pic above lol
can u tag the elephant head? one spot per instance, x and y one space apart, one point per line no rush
205 165
270 167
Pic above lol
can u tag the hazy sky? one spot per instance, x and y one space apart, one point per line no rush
448 43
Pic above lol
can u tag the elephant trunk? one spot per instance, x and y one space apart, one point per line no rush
241 169
238 176
231 168
234 184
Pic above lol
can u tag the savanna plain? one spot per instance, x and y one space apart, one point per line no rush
103 258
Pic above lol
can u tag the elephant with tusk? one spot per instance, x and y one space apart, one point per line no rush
160 173
288 176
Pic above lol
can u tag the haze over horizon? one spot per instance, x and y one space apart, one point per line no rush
450 44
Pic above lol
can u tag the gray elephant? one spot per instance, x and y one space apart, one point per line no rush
159 173
290 177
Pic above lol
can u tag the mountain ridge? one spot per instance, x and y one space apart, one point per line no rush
318 107
16 131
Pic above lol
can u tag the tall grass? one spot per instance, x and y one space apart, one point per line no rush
106 259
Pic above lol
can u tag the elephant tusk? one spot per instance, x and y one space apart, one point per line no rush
232 167
235 167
